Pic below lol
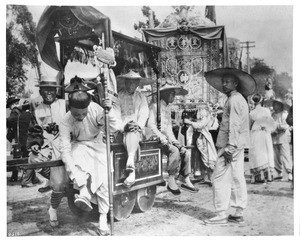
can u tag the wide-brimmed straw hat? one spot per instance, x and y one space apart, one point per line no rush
278 100
77 84
178 90
49 81
131 75
247 84
11 100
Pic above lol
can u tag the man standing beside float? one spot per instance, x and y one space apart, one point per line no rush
43 142
229 184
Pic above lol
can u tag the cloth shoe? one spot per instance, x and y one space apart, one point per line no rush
188 188
175 192
216 221
236 219
53 217
28 185
83 203
44 189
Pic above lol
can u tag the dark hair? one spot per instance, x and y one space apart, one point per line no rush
256 98
79 99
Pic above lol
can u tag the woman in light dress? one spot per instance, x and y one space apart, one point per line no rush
261 155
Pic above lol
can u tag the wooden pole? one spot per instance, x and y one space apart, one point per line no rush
107 133
109 169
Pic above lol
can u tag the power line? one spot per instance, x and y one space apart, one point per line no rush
248 46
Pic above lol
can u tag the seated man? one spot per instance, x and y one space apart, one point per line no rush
134 115
84 152
179 157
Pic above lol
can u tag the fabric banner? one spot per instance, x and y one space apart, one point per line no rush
47 29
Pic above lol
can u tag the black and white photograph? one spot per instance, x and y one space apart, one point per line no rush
170 118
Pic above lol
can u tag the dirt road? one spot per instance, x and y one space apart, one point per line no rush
270 212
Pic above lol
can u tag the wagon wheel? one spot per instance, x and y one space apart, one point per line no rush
123 205
77 211
145 198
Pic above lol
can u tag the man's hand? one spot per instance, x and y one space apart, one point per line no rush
163 140
182 150
187 121
132 126
228 154
228 157
107 103
35 149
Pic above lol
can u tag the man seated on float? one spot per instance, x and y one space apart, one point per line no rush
134 115
84 151
179 156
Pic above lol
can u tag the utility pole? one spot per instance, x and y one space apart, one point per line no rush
247 46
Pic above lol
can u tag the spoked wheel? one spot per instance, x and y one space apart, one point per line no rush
145 198
77 211
123 205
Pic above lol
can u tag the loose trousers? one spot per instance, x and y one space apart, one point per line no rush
176 162
229 184
101 196
282 157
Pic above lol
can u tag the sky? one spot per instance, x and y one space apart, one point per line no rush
270 27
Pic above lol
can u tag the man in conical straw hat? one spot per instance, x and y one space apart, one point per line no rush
280 138
48 114
229 185
134 114
179 156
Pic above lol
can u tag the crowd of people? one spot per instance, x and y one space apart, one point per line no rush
50 128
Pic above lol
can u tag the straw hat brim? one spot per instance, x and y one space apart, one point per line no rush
247 84
143 81
10 102
178 90
270 102
48 84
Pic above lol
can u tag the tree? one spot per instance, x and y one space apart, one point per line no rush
261 71
143 25
282 83
21 50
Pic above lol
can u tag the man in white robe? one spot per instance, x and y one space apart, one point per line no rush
134 115
83 151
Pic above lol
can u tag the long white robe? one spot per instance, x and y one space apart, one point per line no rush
261 155
82 146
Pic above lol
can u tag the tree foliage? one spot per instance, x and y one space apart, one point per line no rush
261 71
282 83
143 25
21 51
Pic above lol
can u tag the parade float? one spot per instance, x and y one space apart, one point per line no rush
191 45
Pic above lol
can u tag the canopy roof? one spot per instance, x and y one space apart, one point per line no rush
78 26
204 32
69 23
209 33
